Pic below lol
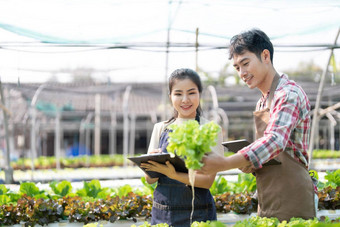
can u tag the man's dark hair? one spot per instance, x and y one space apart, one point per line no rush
253 40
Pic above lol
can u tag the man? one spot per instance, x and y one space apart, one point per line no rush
278 156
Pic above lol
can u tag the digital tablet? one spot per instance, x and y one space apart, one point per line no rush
176 161
235 145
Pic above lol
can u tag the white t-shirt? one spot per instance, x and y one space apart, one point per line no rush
161 126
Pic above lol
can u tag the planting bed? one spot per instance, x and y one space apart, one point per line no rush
65 202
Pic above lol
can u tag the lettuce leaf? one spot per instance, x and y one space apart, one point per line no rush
192 141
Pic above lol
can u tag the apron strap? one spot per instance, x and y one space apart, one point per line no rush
272 89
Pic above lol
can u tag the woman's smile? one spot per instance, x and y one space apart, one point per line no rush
186 107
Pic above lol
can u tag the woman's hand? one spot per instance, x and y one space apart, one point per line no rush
156 151
168 169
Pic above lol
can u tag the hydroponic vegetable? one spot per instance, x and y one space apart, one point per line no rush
191 141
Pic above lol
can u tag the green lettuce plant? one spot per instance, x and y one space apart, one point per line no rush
191 141
62 188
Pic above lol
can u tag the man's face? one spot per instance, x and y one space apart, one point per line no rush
250 68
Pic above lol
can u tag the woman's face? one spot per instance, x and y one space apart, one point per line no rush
185 98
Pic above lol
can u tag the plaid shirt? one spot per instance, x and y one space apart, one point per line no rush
288 126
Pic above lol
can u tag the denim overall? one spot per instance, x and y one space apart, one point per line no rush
172 199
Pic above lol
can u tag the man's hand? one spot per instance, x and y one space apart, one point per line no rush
247 169
213 163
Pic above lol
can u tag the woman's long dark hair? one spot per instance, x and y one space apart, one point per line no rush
182 74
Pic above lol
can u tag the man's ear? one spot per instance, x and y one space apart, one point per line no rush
266 56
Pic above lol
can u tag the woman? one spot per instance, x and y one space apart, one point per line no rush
173 195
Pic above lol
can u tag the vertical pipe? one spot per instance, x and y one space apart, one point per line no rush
165 93
132 134
57 141
97 130
196 50
33 146
113 133
126 123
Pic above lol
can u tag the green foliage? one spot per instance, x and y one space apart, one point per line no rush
4 199
149 188
194 224
147 224
32 211
306 71
246 182
9 198
333 178
63 188
93 225
293 222
126 204
314 174
3 189
257 221
94 190
31 190
323 154
191 141
44 162
122 191
208 224
219 186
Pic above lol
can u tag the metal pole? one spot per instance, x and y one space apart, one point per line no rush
8 170
165 93
196 46
132 134
97 130
33 132
317 104
113 133
126 123
213 93
33 146
57 139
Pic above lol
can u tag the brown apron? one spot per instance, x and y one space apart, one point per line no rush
285 190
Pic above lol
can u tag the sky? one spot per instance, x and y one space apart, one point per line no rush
40 39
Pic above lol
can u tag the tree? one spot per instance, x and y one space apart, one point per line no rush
220 80
82 74
306 71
